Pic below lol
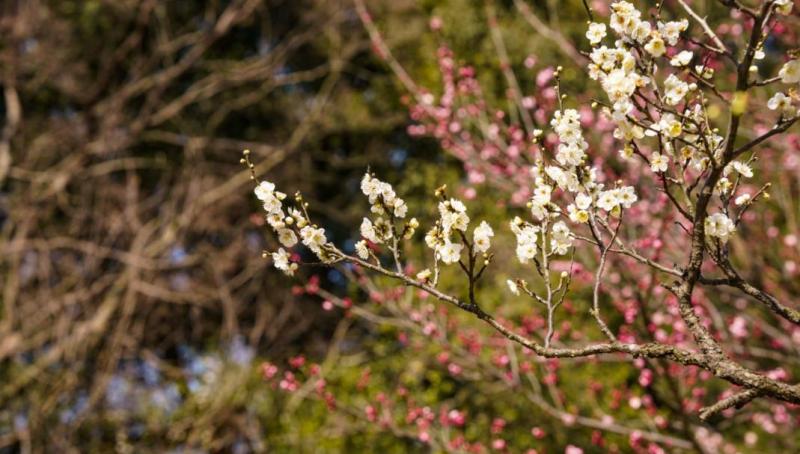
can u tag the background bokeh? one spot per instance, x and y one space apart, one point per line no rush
138 314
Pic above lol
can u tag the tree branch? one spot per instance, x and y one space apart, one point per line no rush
737 400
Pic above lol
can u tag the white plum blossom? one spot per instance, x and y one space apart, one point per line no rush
280 260
482 237
567 181
616 71
659 162
656 47
704 71
526 251
625 18
539 212
782 104
719 226
740 167
450 253
790 72
400 208
743 169
382 197
271 199
675 90
276 220
577 211
682 59
541 198
642 32
561 238
512 287
424 275
285 228
264 190
368 231
568 127
628 131
596 33
362 250
542 194
669 125
671 31
627 196
583 201
371 188
526 240
723 185
608 200
619 85
571 155
742 199
453 215
313 238
784 7
576 214
433 238
624 196
287 237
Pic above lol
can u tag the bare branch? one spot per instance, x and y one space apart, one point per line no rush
738 400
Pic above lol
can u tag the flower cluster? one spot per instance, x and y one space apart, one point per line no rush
281 260
482 237
382 197
675 90
453 220
314 239
616 68
527 237
629 69
614 199
616 71
288 225
571 176
719 226
571 150
628 72
273 204
560 238
388 207
724 184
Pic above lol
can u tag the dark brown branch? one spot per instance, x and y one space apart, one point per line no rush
782 127
735 401
734 279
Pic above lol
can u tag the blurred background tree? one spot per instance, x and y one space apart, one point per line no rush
131 250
